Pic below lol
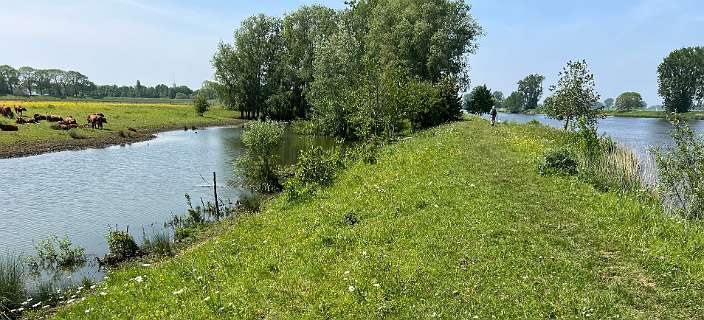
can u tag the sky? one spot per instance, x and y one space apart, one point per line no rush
156 41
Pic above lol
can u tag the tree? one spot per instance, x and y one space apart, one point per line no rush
200 103
9 79
609 103
498 98
480 101
514 102
574 96
26 79
531 88
681 78
629 101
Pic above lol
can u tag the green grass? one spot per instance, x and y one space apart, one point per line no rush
454 222
120 117
694 115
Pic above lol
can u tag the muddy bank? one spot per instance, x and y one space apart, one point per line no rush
113 138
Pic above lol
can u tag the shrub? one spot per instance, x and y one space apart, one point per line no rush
250 201
200 104
681 173
12 292
183 233
315 168
121 245
258 165
559 161
75 134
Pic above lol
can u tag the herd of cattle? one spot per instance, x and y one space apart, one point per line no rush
95 120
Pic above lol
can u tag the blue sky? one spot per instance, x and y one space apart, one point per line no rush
120 41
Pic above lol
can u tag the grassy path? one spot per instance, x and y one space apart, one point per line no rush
453 223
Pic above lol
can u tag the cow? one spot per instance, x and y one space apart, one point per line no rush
69 120
19 110
97 120
6 112
21 120
8 127
39 117
53 118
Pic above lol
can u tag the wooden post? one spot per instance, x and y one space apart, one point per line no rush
215 191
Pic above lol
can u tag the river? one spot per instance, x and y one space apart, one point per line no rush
82 193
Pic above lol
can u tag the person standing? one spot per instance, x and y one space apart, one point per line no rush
493 114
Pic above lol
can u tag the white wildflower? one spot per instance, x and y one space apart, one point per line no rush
350 289
177 292
138 279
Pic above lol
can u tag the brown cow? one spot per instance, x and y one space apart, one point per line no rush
21 120
96 120
53 118
39 117
19 110
69 120
8 127
6 112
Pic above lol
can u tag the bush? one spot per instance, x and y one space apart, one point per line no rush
681 173
121 245
200 103
12 292
315 168
250 201
55 253
183 233
560 162
257 167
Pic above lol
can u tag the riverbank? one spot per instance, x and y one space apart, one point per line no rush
127 123
694 115
454 222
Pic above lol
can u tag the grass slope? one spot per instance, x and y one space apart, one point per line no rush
453 223
120 117
693 115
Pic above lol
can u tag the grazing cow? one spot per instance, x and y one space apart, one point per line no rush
6 112
96 120
19 110
8 127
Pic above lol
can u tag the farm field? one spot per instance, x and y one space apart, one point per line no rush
145 118
443 229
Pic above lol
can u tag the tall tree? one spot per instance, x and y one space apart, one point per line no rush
480 100
629 101
498 98
514 102
531 88
681 78
303 31
9 79
574 96
609 103
26 79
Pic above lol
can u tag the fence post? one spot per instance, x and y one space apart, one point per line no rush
215 191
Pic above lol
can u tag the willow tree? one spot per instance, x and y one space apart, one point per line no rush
574 96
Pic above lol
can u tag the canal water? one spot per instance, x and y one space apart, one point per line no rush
142 185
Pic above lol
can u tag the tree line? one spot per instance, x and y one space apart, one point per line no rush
372 69
27 81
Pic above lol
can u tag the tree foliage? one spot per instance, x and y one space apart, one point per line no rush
200 104
480 100
259 163
629 101
574 96
531 89
373 69
514 102
681 78
609 103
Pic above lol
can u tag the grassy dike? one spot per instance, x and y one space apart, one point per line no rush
454 222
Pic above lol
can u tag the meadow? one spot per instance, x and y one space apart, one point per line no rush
453 222
145 118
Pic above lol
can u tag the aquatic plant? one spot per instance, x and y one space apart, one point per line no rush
157 243
55 253
12 292
121 245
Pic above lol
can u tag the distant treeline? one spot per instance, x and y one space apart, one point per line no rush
372 69
27 81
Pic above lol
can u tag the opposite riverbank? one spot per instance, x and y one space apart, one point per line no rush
454 222
127 123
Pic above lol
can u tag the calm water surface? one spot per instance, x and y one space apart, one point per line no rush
82 193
